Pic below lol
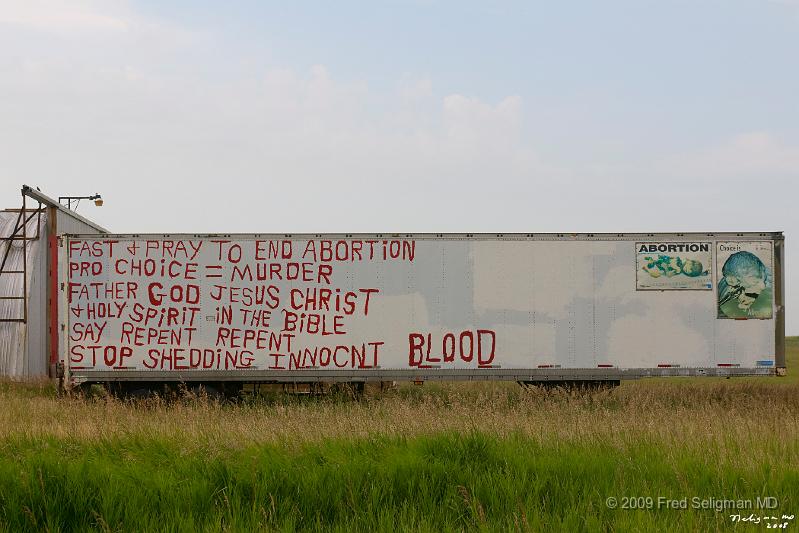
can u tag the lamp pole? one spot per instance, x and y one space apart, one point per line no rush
98 200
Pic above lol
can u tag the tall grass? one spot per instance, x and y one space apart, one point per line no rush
444 457
680 414
450 481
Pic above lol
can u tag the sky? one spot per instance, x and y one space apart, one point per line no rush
408 115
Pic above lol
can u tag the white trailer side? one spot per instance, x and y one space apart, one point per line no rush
376 307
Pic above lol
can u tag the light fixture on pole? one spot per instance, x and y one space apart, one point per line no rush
98 200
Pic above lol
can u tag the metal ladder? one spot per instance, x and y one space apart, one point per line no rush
20 233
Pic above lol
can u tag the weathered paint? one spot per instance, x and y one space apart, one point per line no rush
293 307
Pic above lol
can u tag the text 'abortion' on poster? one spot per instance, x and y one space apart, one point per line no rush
674 265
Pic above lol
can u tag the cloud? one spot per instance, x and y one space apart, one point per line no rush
469 121
60 16
755 153
44 26
176 141
282 132
316 127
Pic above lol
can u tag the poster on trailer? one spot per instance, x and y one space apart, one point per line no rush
745 279
673 265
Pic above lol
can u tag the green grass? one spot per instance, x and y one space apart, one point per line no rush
448 457
443 482
792 359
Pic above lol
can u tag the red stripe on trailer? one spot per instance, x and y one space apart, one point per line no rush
728 364
605 366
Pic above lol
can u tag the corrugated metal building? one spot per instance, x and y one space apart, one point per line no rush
28 287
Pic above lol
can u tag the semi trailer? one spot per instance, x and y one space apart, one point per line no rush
148 311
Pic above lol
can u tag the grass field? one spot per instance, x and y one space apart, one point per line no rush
440 457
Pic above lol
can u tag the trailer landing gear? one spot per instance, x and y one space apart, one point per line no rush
144 390
575 384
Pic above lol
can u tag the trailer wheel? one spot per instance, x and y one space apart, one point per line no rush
232 391
130 391
351 389
139 393
209 391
